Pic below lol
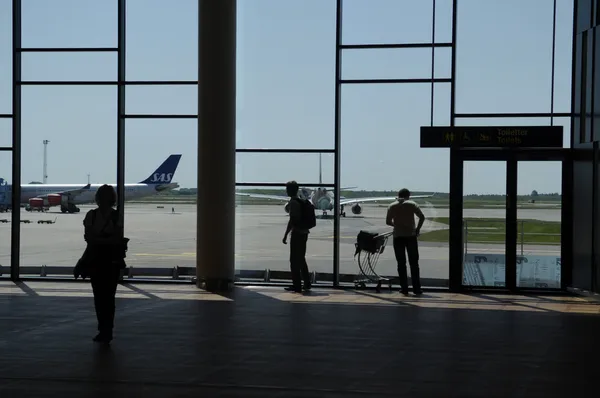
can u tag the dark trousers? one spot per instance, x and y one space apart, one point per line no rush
410 246
104 284
298 264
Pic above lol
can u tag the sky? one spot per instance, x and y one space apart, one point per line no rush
286 87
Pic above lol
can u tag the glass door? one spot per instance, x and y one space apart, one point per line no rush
506 219
484 226
539 224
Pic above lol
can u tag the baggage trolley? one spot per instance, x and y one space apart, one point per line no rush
369 246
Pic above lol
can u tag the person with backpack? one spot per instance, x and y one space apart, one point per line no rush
302 219
104 258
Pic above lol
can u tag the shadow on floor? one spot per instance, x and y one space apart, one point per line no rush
177 341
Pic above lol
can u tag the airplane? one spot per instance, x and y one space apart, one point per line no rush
67 196
324 200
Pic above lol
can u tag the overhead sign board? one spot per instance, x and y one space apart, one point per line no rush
492 137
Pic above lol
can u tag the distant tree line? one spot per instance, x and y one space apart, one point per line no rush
356 194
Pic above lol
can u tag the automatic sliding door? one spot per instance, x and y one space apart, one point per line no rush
484 223
539 201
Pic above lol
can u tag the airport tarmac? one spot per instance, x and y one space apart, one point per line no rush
162 238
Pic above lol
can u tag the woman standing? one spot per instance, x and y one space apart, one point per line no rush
103 233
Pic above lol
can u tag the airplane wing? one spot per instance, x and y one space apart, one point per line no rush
379 199
261 196
71 192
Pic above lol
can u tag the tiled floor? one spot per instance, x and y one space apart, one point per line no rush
177 341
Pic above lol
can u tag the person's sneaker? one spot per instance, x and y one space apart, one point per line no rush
404 292
307 286
418 292
293 289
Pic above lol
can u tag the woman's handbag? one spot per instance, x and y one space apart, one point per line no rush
114 253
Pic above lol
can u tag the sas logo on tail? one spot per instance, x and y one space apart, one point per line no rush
164 177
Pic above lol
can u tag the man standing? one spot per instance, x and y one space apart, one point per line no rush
296 225
401 216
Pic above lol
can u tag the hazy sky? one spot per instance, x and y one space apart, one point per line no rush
286 60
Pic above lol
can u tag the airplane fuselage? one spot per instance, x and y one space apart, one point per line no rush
132 191
322 199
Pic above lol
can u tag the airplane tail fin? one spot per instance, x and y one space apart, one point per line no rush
165 172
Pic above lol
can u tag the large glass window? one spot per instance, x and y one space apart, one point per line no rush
5 62
77 123
261 220
519 57
285 100
162 40
5 213
5 133
160 195
381 155
68 23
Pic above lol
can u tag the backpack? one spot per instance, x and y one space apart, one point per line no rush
367 241
308 219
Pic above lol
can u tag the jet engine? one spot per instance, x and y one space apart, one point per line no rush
356 209
287 208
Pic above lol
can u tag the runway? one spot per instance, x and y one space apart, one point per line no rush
162 238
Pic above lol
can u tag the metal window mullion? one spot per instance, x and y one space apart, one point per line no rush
16 142
392 46
281 184
281 150
161 83
121 63
432 61
396 81
553 65
68 83
67 49
337 142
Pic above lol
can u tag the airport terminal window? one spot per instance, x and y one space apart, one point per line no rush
285 69
162 54
379 123
494 58
5 214
398 162
160 206
63 117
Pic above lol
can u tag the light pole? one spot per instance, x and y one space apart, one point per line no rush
45 178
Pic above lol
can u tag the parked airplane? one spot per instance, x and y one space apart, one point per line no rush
324 200
67 196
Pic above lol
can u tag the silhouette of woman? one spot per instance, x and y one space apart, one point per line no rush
103 233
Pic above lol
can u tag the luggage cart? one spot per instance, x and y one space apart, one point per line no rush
369 246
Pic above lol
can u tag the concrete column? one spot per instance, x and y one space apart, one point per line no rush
215 246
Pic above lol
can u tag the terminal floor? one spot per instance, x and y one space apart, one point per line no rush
178 341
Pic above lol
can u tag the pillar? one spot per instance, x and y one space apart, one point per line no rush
215 239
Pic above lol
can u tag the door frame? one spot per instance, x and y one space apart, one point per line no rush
511 157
